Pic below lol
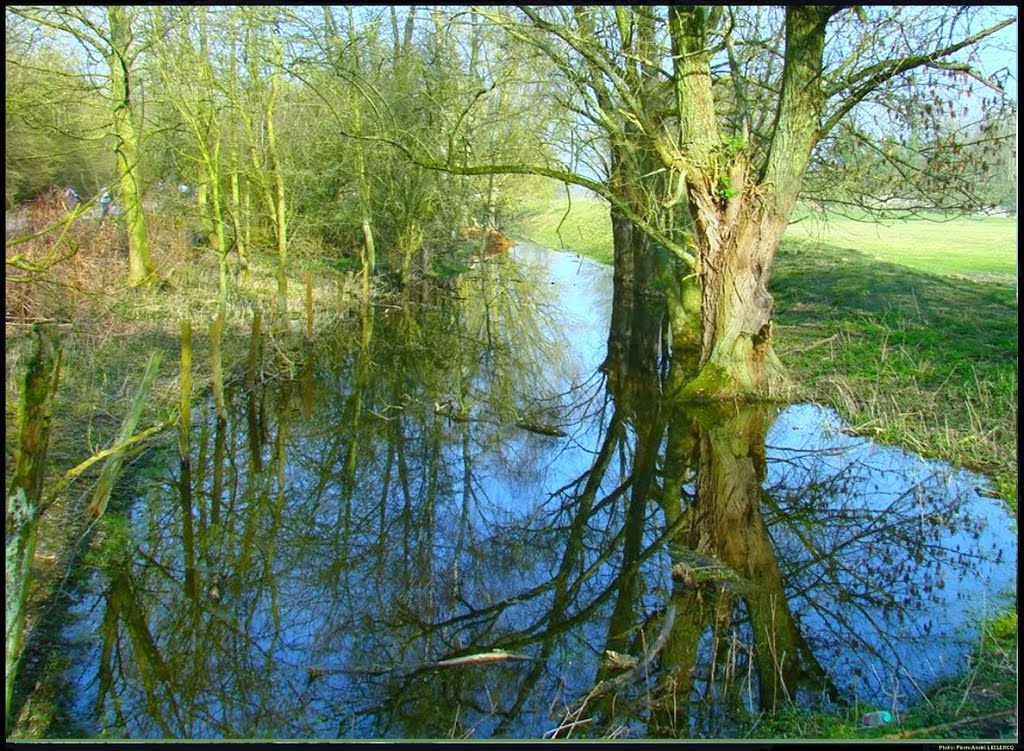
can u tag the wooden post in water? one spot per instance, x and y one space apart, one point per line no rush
216 335
219 452
307 385
185 458
185 402
255 351
252 408
216 332
198 470
25 492
309 305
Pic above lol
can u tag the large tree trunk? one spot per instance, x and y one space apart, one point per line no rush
737 358
738 219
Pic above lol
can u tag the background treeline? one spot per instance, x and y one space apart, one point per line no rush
297 130
263 126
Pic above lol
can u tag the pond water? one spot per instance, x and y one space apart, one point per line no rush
454 521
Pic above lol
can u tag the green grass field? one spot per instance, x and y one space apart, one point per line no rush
550 220
971 246
976 247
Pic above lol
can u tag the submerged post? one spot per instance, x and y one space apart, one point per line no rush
255 349
184 455
216 332
309 305
185 402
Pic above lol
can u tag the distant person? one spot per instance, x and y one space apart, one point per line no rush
70 198
105 200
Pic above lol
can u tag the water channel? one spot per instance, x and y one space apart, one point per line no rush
456 521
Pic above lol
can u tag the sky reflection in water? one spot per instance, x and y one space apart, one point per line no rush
399 503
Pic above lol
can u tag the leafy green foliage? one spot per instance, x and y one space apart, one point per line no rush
725 189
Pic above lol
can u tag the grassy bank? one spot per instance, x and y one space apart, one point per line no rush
910 332
581 226
978 703
910 358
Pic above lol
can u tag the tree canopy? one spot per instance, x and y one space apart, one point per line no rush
369 136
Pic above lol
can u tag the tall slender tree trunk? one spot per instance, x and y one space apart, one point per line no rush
368 250
280 205
212 166
238 218
141 268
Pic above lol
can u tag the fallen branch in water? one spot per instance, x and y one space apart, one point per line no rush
574 714
536 427
947 725
641 666
116 448
567 726
497 655
481 658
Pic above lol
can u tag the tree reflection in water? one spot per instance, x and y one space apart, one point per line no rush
666 570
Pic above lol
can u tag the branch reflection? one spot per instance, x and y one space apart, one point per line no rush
458 477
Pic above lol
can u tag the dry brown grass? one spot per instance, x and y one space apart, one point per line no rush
74 278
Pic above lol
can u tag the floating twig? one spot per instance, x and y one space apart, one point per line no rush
641 666
481 658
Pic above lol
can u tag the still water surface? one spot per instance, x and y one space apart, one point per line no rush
441 481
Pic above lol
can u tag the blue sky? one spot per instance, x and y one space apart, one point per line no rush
992 60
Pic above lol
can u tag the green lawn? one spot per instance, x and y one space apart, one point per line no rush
978 247
583 227
972 246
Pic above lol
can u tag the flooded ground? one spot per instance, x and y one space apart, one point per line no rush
456 520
